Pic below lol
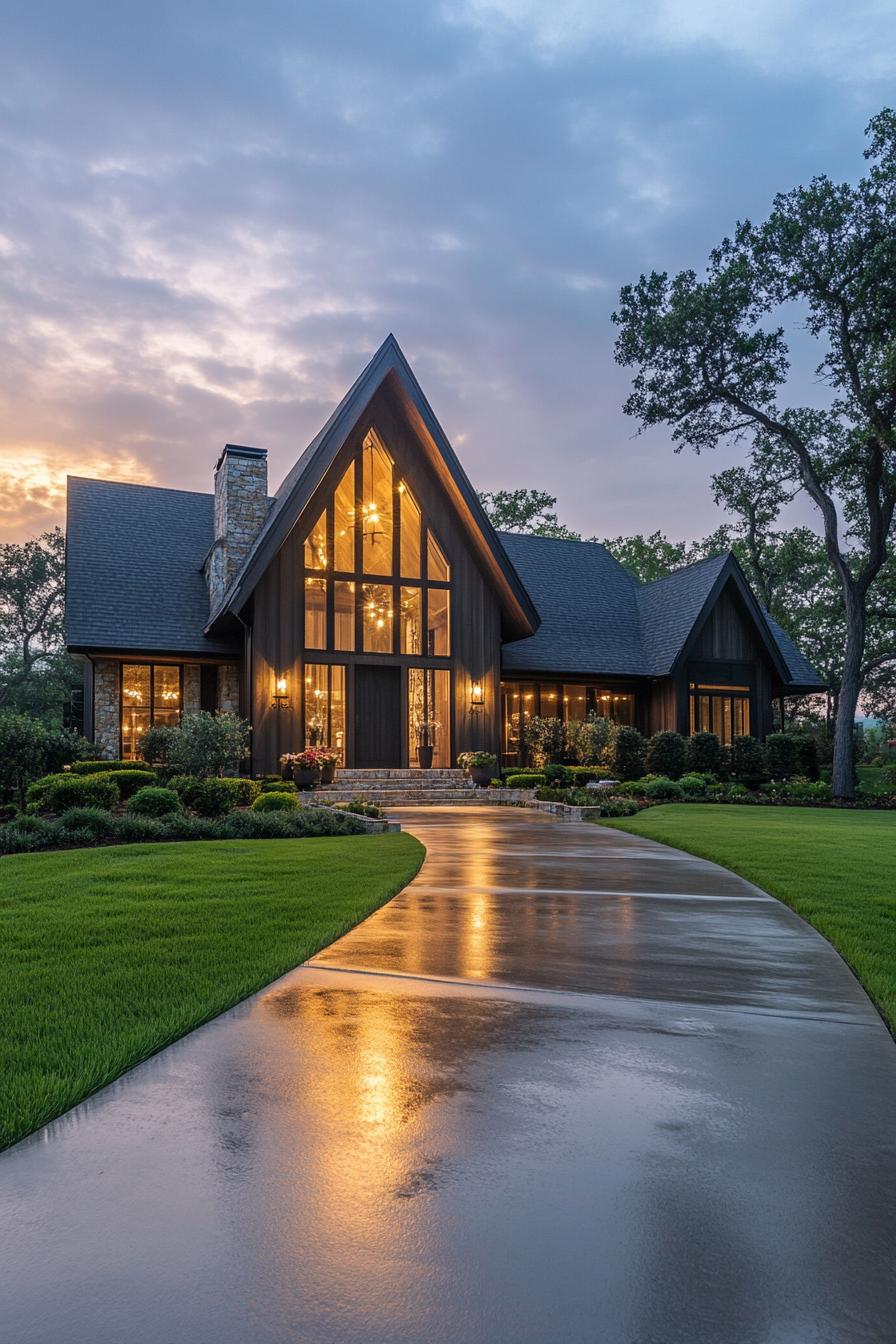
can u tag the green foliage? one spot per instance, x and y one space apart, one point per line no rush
28 749
590 740
26 835
661 789
35 671
557 774
214 797
748 761
524 780
619 807
703 754
543 739
477 760
133 829
208 744
628 754
104 767
798 790
806 755
693 784
126 781
361 807
529 511
157 743
93 821
57 793
278 785
153 801
781 755
276 802
666 755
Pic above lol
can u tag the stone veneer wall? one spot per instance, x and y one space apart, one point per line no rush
229 687
192 688
106 708
241 507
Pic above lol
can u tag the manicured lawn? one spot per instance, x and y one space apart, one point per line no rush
106 955
836 869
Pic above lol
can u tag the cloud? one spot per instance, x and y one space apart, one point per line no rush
212 215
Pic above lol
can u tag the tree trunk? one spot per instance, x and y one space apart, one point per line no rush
847 700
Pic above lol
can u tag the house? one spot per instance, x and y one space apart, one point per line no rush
371 596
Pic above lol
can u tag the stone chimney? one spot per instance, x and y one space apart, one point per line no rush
241 507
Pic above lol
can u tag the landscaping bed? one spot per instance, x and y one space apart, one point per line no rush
107 955
835 867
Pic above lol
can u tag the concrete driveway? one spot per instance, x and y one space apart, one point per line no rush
569 1087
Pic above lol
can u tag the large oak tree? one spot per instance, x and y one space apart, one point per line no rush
712 361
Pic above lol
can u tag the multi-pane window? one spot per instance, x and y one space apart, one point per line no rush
522 700
429 713
150 693
325 706
376 579
723 710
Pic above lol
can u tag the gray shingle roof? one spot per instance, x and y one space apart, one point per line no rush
597 618
134 568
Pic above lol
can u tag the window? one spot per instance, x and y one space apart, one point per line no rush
375 578
429 713
150 693
325 707
520 700
723 710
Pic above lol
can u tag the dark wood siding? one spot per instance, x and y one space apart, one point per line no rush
663 708
277 613
725 647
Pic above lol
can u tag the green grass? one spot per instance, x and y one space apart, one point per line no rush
836 869
107 955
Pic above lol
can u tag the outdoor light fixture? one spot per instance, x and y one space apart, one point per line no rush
281 694
477 696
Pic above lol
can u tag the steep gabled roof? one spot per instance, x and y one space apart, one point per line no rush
802 673
669 609
387 365
134 576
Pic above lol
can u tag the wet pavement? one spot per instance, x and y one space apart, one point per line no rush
569 1086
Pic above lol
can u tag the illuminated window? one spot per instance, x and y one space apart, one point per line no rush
376 617
325 707
315 613
410 533
376 507
344 522
438 641
411 617
435 559
723 710
150 693
344 615
316 544
429 713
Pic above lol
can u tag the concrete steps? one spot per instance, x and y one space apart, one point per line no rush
398 787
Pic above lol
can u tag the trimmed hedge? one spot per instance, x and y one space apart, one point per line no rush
58 793
127 781
528 781
215 796
154 801
628 754
275 802
703 754
666 755
103 767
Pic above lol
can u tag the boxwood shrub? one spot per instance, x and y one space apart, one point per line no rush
666 755
278 785
213 797
275 802
628 754
528 781
58 793
102 767
153 801
703 754
93 821
128 781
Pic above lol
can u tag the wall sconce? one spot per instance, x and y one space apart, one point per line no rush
477 696
281 694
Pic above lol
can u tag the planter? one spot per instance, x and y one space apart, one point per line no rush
328 773
304 777
424 756
481 775
286 772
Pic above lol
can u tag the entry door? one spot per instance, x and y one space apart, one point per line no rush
377 717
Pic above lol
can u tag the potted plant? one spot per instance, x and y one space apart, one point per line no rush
329 759
426 742
288 764
480 766
307 768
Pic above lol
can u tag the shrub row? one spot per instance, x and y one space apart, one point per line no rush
82 826
607 807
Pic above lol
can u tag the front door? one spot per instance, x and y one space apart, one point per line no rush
377 717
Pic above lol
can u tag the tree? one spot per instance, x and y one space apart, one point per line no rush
35 671
712 364
530 511
651 558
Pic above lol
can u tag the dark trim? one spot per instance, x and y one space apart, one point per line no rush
309 471
143 662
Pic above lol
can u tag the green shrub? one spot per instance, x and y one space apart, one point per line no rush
133 829
666 755
156 743
29 750
543 739
95 821
628 754
105 767
587 774
590 740
571 797
275 802
58 793
127 781
181 826
8 812
153 801
208 744
360 807
693 784
25 835
703 754
213 797
258 825
619 807
748 761
525 781
557 774
661 789
278 785
781 755
807 755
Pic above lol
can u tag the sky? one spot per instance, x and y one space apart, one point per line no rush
211 214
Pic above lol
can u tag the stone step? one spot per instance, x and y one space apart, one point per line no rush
400 775
392 799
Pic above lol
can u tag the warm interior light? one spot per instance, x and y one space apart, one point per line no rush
477 695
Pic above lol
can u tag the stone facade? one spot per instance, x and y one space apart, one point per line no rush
192 688
241 507
229 687
106 708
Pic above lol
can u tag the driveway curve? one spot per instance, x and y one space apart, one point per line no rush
569 1086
